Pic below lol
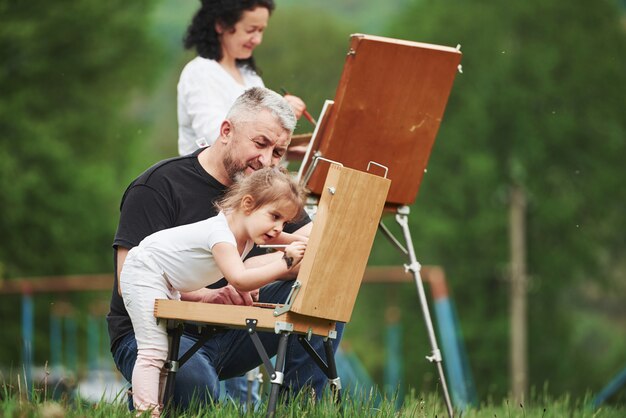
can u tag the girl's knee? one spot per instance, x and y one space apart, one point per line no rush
152 357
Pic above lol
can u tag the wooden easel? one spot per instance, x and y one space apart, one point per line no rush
387 108
324 292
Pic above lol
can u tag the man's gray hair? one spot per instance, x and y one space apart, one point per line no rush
257 99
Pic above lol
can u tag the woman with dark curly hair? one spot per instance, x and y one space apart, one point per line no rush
224 33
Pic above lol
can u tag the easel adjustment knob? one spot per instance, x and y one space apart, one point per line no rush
414 267
436 357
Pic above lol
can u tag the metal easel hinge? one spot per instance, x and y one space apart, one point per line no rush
280 326
295 288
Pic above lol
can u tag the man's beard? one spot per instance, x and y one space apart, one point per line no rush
235 168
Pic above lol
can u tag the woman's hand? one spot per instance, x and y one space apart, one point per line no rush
297 105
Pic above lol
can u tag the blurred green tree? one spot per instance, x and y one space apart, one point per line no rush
70 118
540 104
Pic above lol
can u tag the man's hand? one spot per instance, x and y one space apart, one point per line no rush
226 295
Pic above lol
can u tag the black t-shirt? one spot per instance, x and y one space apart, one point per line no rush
173 192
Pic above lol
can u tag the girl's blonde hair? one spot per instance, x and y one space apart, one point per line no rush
265 186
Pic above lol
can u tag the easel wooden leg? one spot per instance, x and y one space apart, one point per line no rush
333 377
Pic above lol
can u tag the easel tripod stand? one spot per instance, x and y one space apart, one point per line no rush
414 267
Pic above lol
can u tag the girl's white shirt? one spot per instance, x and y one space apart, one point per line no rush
184 253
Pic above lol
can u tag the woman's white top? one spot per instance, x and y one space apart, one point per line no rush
184 253
206 91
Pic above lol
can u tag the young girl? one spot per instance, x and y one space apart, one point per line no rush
189 257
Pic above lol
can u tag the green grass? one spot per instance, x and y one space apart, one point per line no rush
15 403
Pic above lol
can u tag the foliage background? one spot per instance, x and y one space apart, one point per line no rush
88 102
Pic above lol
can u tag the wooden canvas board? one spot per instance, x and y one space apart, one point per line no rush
339 246
387 108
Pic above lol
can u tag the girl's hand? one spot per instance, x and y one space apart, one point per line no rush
295 251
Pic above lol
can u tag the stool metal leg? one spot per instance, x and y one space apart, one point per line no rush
333 377
171 364
277 377
329 367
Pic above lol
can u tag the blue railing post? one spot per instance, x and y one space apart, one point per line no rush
70 345
613 386
393 368
27 339
56 342
462 387
93 342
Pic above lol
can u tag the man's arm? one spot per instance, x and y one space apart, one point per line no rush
285 238
122 252
305 230
226 295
